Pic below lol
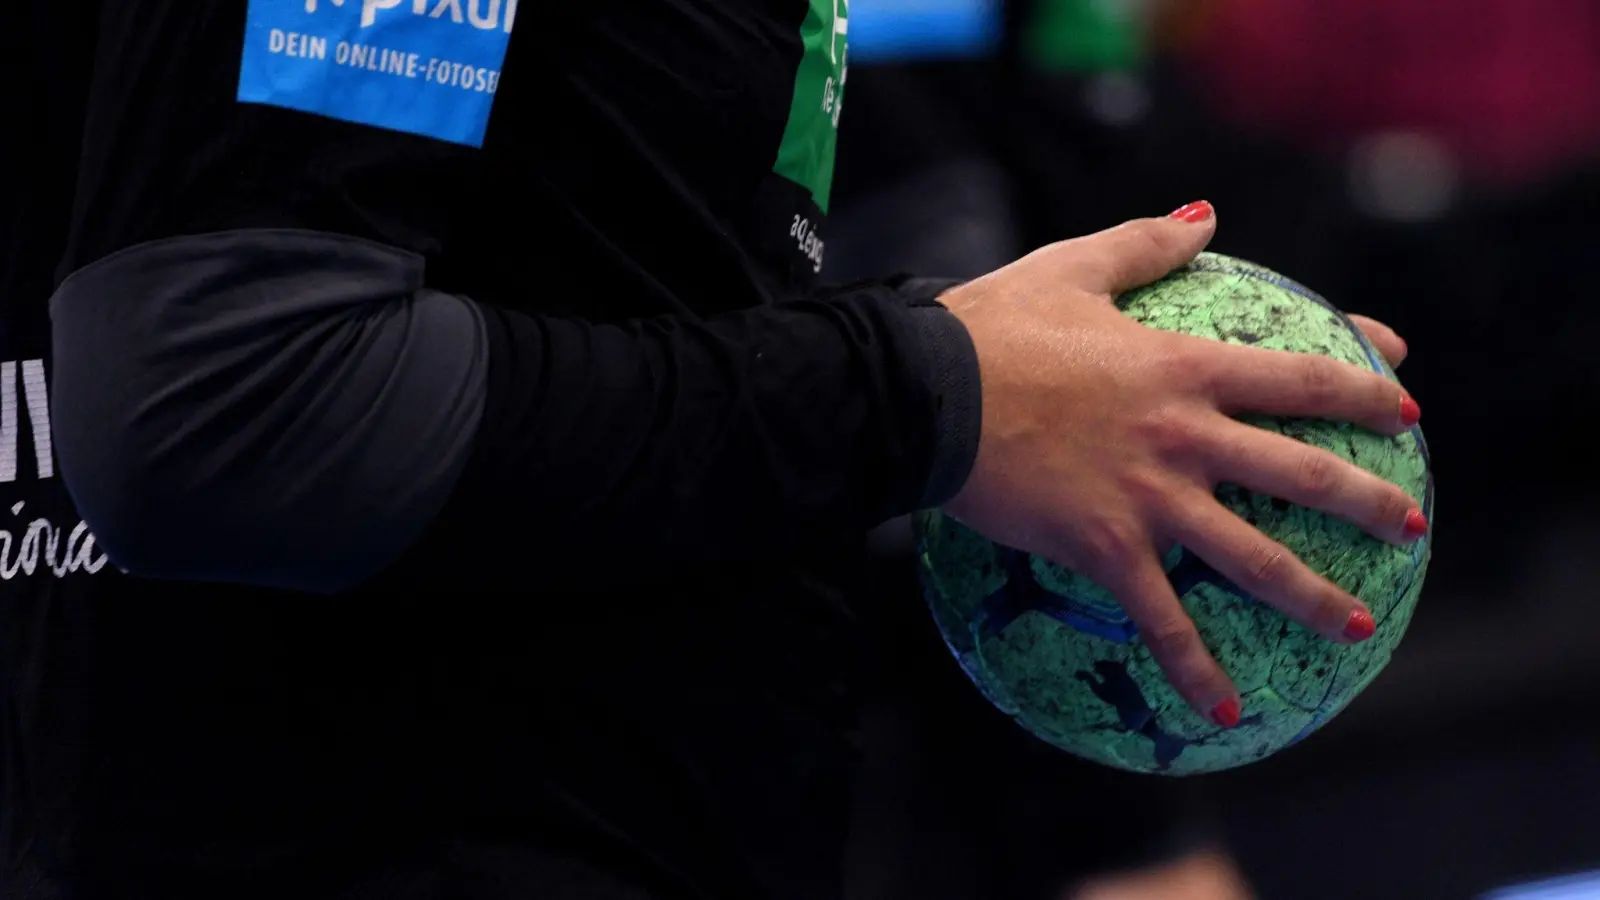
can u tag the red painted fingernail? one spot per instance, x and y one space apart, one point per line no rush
1410 412
1360 626
1198 211
1416 524
1226 713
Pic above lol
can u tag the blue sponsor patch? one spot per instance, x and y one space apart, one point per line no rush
428 67
903 30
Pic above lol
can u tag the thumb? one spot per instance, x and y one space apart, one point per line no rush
1140 251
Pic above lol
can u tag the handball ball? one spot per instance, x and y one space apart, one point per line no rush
1055 651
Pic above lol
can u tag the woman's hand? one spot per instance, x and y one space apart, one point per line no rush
1104 440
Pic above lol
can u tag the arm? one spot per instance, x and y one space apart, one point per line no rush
294 409
259 376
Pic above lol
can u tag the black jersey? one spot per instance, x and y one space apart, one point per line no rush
607 654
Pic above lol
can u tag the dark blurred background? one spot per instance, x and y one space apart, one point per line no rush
1433 163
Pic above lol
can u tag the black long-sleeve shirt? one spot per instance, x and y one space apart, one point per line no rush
517 330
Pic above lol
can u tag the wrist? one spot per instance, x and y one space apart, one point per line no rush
953 378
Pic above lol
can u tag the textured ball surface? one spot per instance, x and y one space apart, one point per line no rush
1056 652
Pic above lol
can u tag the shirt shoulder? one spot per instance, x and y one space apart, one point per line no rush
687 140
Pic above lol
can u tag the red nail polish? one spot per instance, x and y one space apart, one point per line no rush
1198 211
1416 524
1410 412
1360 626
1226 713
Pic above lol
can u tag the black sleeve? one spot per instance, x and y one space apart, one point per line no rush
735 436
259 378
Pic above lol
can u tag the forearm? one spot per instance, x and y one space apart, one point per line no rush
703 440
293 409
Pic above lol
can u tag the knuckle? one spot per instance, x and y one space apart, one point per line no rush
1146 236
1188 364
1082 263
1099 270
1108 543
1173 641
1131 245
1323 607
1393 504
1172 434
1385 396
1318 476
1319 379
1151 492
1267 565
1332 609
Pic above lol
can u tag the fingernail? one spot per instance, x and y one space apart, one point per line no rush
1416 524
1198 211
1360 626
1410 412
1226 713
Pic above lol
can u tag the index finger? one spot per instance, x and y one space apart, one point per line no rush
1174 643
1243 380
